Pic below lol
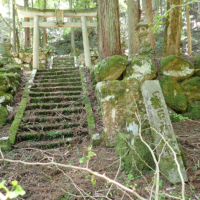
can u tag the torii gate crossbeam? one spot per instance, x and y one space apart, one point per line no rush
36 13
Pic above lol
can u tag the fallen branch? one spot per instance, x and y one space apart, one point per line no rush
76 168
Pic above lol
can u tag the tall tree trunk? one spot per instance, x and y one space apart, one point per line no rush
10 31
44 29
173 27
14 30
133 19
27 30
72 30
154 5
149 18
189 31
17 39
108 28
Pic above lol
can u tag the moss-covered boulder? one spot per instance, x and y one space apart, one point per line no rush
5 98
3 70
13 77
177 67
191 88
111 68
135 155
142 69
5 144
193 110
8 60
14 69
4 83
3 115
119 101
1 63
197 66
173 93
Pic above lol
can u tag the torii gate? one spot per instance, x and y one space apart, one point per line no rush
59 14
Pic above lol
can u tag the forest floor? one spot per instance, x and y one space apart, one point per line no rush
59 183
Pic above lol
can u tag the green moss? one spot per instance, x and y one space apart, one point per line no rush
197 62
191 89
88 107
188 115
155 102
136 156
5 98
3 70
3 115
4 83
173 94
111 68
14 69
1 63
193 110
175 65
167 59
183 156
17 121
192 84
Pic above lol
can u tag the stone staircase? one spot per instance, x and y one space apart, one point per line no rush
55 114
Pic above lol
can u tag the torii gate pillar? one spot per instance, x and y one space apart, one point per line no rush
86 42
36 43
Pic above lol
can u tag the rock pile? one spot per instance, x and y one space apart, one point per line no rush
10 77
25 60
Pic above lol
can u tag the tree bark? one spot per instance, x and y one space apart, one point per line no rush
14 30
27 30
17 40
189 31
172 37
10 31
44 29
108 28
149 19
133 19
72 31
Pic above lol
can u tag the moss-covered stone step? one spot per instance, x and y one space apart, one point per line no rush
57 84
48 127
49 144
63 60
34 106
57 93
63 75
51 89
65 118
67 79
44 135
59 69
54 112
63 64
54 99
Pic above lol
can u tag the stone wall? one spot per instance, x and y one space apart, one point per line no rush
25 60
10 78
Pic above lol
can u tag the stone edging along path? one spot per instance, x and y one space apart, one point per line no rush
54 108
